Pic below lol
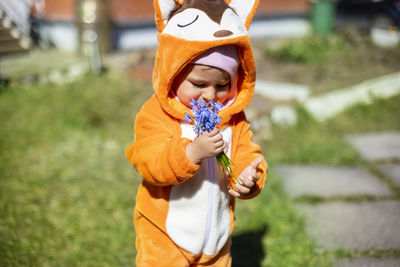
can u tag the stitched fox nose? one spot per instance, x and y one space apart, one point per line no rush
222 33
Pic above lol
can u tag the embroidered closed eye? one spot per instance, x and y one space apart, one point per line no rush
185 25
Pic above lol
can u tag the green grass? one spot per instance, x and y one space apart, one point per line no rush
67 192
309 49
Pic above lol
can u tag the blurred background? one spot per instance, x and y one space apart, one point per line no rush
74 73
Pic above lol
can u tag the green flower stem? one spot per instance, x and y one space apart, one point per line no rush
225 163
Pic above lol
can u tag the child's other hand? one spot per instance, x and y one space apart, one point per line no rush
205 145
248 177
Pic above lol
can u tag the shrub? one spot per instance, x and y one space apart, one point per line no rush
310 49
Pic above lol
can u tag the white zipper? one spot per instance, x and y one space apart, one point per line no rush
210 200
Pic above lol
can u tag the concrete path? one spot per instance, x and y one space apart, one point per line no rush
358 209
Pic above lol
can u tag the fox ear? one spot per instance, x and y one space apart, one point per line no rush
163 10
245 9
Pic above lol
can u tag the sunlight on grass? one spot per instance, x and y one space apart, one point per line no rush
67 191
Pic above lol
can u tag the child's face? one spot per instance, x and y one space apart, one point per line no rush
202 82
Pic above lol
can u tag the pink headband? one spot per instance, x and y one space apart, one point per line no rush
222 57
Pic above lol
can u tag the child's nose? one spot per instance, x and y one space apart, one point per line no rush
208 94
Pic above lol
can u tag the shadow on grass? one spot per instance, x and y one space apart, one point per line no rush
247 249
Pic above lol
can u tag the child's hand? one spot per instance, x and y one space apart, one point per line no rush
205 145
248 177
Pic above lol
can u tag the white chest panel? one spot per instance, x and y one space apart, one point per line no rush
198 215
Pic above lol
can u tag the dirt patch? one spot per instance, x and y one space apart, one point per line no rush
357 62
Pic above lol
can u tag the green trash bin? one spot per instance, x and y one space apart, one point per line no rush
323 16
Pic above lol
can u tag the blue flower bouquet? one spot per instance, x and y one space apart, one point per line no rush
205 119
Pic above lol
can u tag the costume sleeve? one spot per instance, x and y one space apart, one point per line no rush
245 152
158 151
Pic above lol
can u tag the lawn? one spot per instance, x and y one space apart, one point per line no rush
67 192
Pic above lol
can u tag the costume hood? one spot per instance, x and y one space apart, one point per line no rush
186 29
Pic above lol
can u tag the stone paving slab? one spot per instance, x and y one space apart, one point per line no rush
353 226
392 171
377 146
282 91
326 181
367 262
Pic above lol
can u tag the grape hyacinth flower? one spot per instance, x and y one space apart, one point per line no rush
205 119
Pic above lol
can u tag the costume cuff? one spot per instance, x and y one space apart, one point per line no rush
185 168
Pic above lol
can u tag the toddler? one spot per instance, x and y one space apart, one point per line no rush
184 213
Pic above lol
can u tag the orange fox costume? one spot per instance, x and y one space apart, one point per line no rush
184 215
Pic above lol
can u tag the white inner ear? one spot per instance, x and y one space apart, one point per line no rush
242 8
167 6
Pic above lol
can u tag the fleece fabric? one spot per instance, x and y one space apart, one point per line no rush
171 182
